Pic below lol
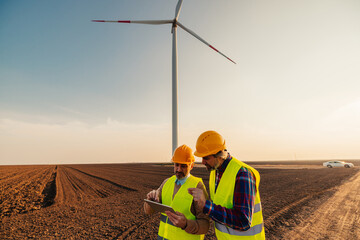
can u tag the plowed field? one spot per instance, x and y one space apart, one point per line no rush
105 201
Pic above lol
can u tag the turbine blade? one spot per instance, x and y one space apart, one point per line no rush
178 8
202 40
154 22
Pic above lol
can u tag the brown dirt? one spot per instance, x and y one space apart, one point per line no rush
336 218
105 201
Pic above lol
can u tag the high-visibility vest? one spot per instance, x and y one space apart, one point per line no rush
181 202
224 197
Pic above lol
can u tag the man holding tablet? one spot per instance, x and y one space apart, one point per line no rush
188 221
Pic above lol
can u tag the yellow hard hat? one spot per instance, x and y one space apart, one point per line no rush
183 155
208 143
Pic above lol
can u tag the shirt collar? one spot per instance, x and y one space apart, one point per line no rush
182 181
225 163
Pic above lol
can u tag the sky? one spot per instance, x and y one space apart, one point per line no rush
76 91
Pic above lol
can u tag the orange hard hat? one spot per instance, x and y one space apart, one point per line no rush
208 143
183 155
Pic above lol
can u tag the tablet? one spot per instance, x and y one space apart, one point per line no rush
159 207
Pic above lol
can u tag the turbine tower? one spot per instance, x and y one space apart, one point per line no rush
174 23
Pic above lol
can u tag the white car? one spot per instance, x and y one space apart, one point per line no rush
332 164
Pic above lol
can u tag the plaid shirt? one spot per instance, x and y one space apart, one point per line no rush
240 216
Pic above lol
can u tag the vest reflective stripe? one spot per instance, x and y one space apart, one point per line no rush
257 208
252 231
163 219
224 196
181 202
161 238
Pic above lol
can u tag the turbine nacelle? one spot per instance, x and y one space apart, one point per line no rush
174 25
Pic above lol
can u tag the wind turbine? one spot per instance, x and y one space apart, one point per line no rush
174 23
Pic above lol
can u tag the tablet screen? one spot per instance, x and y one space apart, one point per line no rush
159 207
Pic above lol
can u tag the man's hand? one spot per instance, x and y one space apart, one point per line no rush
199 196
153 196
178 219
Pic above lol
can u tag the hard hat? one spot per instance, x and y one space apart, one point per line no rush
208 143
183 155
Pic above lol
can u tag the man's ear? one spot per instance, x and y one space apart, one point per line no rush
192 165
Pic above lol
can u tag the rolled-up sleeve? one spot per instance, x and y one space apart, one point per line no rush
201 224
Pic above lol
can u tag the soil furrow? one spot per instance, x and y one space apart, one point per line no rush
49 191
24 192
281 213
106 180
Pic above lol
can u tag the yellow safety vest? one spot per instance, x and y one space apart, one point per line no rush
181 202
224 196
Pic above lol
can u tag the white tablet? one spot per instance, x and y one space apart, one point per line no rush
159 207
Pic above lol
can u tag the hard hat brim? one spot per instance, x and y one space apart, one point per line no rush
197 154
182 162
